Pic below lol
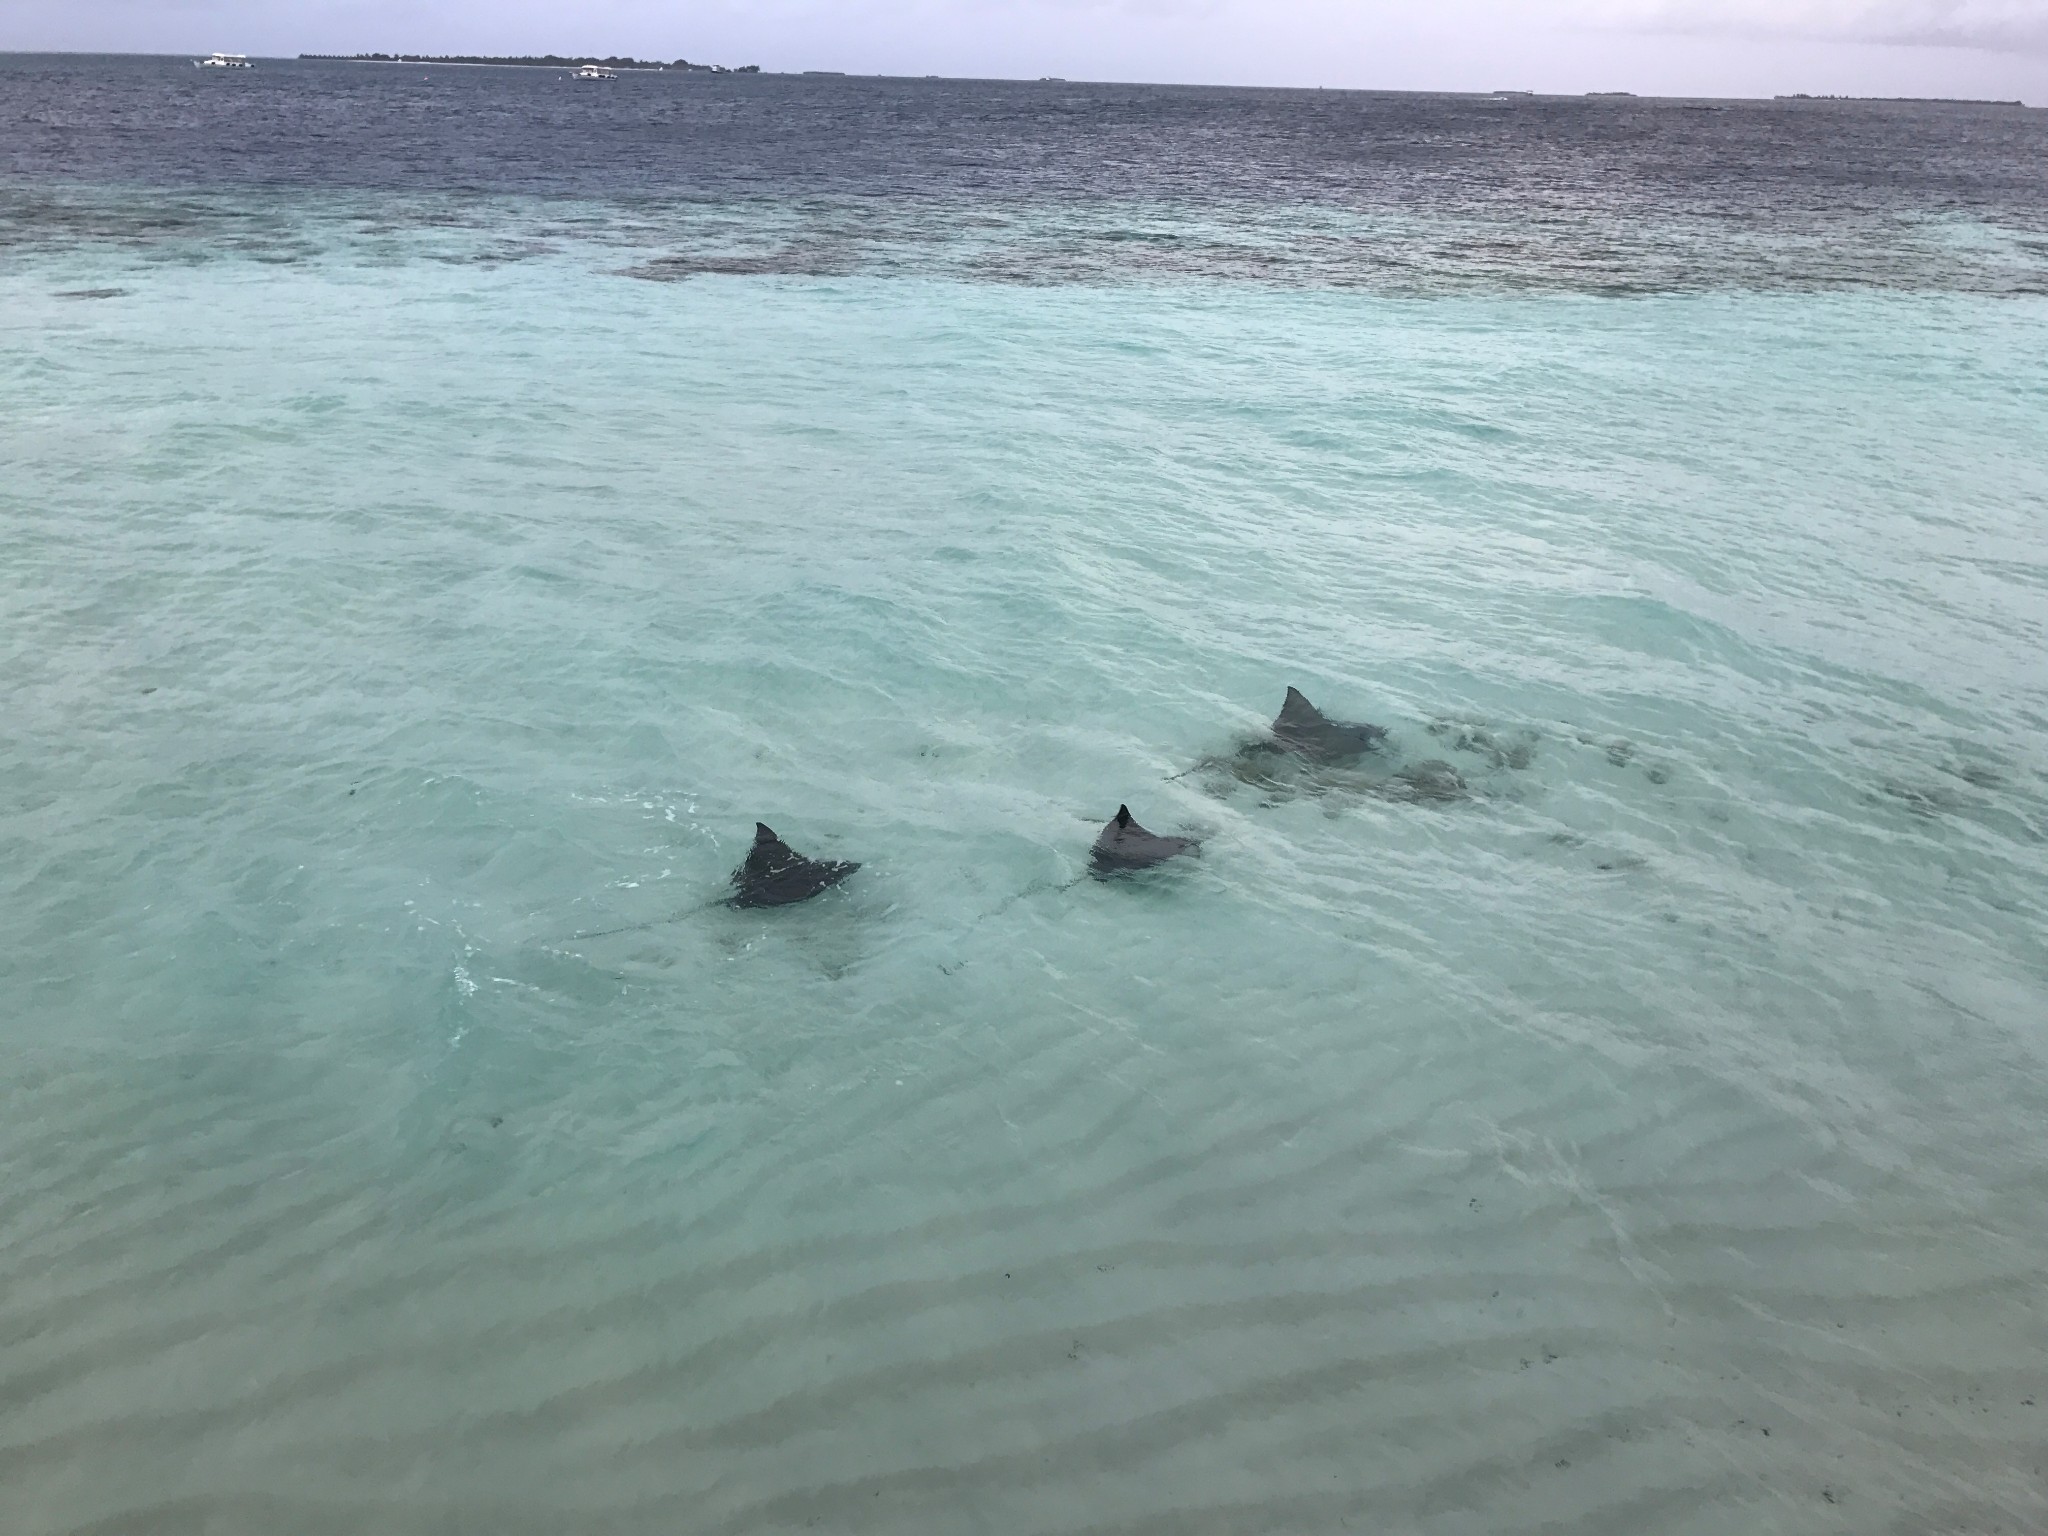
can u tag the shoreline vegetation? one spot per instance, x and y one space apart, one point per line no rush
532 61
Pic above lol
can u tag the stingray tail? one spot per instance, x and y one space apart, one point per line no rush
1210 764
659 922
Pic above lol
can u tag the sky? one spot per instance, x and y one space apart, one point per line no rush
1980 48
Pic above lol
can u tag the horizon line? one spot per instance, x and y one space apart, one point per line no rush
514 61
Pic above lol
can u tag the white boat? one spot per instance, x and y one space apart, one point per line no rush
225 61
594 72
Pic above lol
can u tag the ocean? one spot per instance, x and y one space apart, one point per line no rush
442 510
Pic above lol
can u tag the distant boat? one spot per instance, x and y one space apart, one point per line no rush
594 72
225 61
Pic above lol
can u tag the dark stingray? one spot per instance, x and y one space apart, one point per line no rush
775 874
1307 732
1124 845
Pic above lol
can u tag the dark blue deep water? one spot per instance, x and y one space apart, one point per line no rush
1046 182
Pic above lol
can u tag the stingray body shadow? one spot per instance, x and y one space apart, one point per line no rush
1124 846
1501 747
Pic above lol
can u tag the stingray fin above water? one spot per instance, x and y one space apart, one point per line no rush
775 874
1124 845
1303 729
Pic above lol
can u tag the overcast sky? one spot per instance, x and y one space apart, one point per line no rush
1995 48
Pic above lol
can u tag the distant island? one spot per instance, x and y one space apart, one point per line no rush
531 61
1924 101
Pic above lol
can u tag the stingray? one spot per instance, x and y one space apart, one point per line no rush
1501 748
1434 782
1302 738
775 874
1307 732
1124 846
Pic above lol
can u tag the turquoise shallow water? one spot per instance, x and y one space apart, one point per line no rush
1650 1142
